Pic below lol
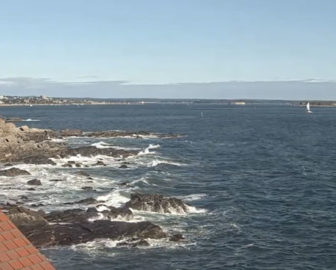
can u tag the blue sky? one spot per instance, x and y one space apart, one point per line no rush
152 42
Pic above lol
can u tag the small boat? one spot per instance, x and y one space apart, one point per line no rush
308 108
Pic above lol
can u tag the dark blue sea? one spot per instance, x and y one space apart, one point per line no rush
261 179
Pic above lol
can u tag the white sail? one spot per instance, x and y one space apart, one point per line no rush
308 108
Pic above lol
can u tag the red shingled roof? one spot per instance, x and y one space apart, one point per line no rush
16 252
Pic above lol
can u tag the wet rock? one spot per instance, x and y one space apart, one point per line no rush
24 198
56 180
75 233
84 201
34 182
87 188
37 159
157 203
21 216
71 215
100 163
82 173
176 237
31 189
13 172
37 205
8 165
66 165
134 243
71 132
121 212
88 151
123 166
14 119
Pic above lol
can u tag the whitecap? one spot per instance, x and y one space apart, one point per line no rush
101 145
147 151
195 210
193 197
157 162
114 198
31 120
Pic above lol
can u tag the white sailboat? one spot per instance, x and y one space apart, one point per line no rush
308 108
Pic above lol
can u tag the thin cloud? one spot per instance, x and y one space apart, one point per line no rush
299 89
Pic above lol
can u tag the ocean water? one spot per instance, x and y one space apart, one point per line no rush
261 179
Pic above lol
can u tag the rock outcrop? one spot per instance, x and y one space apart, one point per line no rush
73 227
157 203
13 172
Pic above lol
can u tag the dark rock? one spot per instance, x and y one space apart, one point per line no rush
176 237
36 205
31 189
37 159
87 188
34 182
14 119
21 216
71 132
100 163
114 212
88 151
123 166
156 203
72 215
13 172
134 243
56 180
66 165
75 233
8 165
82 173
84 201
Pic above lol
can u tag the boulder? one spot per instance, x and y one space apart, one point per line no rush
34 182
82 173
76 233
13 172
21 216
156 203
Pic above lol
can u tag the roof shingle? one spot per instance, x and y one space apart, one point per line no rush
16 252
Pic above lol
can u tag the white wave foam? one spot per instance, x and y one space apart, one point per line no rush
101 145
86 161
149 136
157 162
141 180
193 197
31 120
194 210
173 211
96 245
114 198
147 151
100 245
57 140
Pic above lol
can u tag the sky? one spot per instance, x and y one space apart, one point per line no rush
169 49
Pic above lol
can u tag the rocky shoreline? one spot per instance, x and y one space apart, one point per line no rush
94 219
